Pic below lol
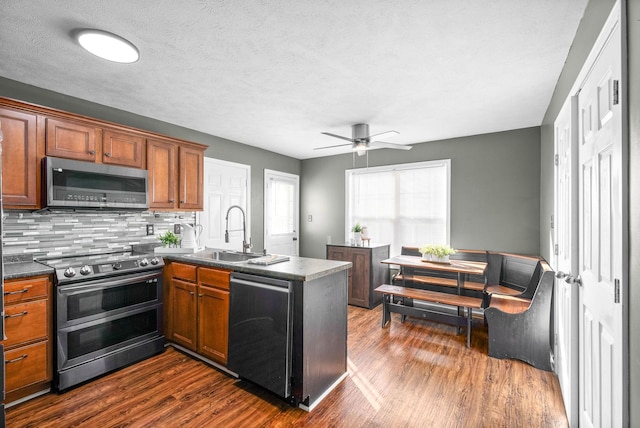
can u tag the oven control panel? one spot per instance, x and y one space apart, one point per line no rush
114 267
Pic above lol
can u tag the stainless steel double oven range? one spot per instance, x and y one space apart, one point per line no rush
108 314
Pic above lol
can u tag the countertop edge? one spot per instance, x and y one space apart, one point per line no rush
296 269
20 270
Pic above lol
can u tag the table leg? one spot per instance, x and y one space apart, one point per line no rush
386 315
469 314
460 309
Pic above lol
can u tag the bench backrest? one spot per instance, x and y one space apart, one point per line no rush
520 272
515 271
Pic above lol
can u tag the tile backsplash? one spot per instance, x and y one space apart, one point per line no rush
67 233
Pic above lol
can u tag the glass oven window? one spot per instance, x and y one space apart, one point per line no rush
104 335
99 301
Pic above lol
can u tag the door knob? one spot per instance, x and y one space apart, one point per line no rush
568 278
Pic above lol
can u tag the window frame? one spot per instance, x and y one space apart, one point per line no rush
446 163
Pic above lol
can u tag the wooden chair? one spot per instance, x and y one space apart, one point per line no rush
521 329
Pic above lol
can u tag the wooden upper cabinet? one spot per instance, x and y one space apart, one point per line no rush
119 148
176 173
162 166
20 170
71 140
175 167
191 177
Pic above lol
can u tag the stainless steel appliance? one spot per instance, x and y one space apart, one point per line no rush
260 331
108 314
76 184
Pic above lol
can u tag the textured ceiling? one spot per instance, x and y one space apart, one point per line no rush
275 74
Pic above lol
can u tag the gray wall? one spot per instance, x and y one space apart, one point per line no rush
495 191
219 148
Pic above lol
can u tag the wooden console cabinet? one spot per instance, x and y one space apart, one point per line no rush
366 274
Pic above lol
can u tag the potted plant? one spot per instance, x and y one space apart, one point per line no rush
357 233
436 253
169 238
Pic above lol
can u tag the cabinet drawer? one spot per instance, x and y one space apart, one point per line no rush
24 290
186 272
214 277
26 365
25 322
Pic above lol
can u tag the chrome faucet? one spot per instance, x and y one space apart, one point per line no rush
245 245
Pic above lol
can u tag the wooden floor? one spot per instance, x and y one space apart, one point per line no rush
416 374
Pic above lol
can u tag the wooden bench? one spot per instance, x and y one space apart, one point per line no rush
407 308
521 328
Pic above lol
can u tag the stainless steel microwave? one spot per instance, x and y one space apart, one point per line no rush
76 184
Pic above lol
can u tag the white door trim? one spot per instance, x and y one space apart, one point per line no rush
269 242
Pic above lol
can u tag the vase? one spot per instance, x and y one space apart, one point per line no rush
443 259
358 238
426 257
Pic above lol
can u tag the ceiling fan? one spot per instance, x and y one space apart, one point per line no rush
360 140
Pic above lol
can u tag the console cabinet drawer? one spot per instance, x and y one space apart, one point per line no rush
182 271
25 322
214 277
26 365
25 290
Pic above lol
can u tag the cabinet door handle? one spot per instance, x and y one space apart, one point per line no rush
15 360
19 314
192 293
200 295
9 293
92 152
172 200
108 155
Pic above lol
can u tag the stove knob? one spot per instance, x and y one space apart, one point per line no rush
85 270
117 266
69 272
155 261
144 262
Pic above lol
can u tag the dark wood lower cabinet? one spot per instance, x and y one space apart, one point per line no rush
183 313
366 273
199 310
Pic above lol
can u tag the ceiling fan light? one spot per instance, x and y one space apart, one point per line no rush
360 147
108 46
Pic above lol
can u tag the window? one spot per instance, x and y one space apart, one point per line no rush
406 204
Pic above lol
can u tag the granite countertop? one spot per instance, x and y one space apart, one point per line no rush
22 267
295 269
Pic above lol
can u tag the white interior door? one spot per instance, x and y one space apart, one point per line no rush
225 184
282 208
566 256
601 263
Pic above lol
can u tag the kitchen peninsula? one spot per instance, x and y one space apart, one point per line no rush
317 318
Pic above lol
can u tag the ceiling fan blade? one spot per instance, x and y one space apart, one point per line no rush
383 145
331 147
384 133
337 136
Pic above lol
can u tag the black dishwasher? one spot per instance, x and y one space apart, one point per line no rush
260 331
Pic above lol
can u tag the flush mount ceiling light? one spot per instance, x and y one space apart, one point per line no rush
108 46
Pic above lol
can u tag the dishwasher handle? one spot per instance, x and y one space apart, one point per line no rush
260 285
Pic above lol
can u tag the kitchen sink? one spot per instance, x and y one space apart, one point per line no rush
233 257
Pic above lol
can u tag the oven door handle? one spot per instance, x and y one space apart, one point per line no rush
106 283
